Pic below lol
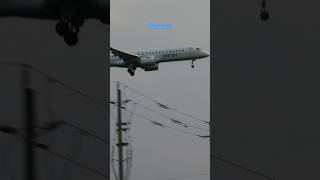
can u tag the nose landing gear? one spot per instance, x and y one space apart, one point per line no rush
264 15
192 65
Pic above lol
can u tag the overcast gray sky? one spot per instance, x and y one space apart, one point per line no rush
161 153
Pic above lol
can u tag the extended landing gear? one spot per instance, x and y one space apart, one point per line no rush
131 70
264 15
192 65
69 30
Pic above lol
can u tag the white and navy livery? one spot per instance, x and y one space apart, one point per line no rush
149 59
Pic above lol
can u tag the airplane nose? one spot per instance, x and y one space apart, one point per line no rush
205 54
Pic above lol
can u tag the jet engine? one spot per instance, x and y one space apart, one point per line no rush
151 67
147 61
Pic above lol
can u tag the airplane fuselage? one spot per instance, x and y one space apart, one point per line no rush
152 57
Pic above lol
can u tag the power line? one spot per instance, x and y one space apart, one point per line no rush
21 140
44 147
52 79
88 133
77 163
58 124
55 123
243 167
160 124
163 105
75 90
169 118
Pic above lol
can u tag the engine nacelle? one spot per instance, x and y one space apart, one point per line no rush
147 61
151 67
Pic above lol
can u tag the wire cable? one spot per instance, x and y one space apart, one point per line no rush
169 118
77 163
163 105
155 122
88 133
21 140
52 79
74 90
56 81
85 132
242 167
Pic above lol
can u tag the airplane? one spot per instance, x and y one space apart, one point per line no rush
149 59
69 14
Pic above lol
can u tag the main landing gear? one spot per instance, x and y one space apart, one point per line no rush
131 70
69 29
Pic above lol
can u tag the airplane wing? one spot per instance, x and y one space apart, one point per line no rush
123 55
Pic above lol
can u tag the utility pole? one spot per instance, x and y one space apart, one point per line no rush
29 113
119 130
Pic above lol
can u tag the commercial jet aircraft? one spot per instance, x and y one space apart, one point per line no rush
69 14
149 59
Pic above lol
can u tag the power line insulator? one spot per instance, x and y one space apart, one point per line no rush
162 105
123 129
123 144
123 124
